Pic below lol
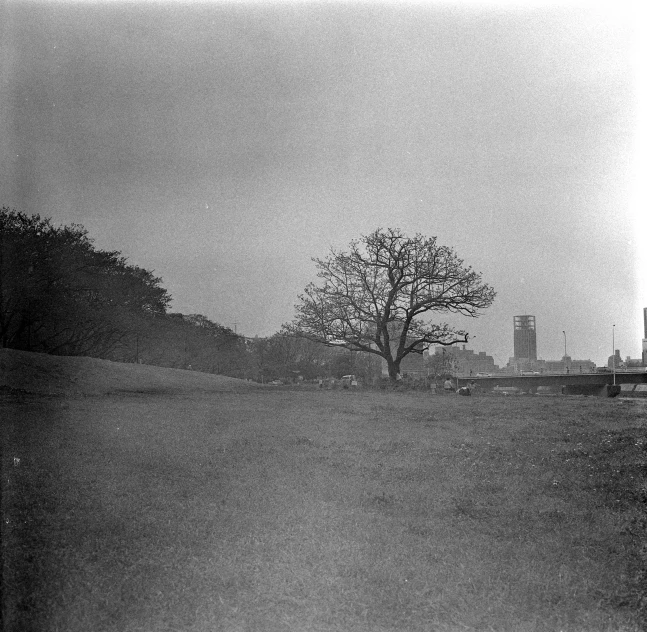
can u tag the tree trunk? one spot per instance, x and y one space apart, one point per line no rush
394 370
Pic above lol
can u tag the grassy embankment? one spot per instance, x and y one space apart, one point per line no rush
282 510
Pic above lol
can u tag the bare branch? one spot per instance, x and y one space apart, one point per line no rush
372 297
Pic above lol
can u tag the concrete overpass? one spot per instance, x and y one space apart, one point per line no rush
570 384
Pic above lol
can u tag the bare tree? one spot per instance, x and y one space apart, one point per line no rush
373 298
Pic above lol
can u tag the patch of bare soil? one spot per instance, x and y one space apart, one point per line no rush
73 376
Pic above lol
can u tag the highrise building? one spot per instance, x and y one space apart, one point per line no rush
525 338
645 338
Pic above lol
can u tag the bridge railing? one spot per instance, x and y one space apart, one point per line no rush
546 373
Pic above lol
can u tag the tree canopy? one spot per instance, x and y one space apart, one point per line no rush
374 298
59 294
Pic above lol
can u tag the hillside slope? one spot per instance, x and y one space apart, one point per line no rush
62 375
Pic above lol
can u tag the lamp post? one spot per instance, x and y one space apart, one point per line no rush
564 343
614 354
565 367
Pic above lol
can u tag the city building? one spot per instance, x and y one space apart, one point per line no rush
525 353
525 339
615 361
460 361
412 365
631 363
566 365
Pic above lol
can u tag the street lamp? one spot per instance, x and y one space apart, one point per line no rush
565 367
614 355
564 343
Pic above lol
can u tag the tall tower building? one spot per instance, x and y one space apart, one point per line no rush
525 337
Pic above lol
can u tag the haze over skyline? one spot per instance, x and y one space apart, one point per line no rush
223 145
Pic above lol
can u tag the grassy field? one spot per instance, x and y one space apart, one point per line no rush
295 510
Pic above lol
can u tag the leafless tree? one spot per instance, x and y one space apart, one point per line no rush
374 297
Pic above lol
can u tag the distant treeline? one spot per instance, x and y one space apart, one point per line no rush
61 295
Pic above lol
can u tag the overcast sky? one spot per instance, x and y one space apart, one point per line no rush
223 145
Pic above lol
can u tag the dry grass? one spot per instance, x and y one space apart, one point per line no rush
279 510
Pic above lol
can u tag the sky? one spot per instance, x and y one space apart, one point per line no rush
224 145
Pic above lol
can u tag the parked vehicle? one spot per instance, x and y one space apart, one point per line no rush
349 380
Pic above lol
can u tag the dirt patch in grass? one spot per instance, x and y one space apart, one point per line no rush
278 510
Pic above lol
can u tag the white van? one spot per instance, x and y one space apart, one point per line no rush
349 380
